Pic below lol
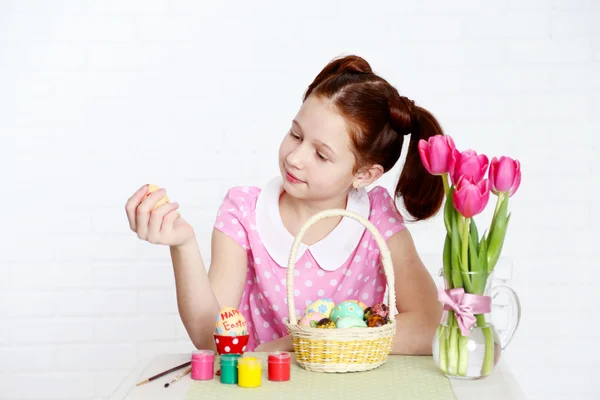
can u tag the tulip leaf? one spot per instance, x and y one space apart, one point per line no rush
483 239
498 242
475 266
455 254
448 260
499 216
449 211
474 233
497 232
483 264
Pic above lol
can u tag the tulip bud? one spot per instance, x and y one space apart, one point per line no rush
468 164
504 175
436 154
470 198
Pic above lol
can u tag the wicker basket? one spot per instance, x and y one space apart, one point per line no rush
341 350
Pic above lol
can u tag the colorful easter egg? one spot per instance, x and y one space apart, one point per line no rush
230 322
323 306
380 309
348 308
311 317
351 322
325 323
375 320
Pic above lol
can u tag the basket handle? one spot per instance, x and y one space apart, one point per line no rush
386 257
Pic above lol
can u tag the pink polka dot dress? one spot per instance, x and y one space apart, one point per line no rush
342 266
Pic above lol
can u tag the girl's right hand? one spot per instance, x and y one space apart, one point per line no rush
162 225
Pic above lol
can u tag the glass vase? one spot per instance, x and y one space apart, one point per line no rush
472 353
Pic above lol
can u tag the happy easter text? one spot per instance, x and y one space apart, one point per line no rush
230 314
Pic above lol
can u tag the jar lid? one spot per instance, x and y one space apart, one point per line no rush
229 359
203 355
249 361
280 357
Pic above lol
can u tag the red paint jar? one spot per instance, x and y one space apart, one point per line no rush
279 366
203 365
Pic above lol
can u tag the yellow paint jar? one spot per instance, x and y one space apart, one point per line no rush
249 372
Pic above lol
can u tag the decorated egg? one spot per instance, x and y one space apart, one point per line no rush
351 322
230 322
323 306
361 304
309 318
325 323
375 320
153 188
348 308
380 309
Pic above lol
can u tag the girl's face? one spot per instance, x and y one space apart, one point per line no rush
315 157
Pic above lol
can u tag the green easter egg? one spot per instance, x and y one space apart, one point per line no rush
351 322
347 308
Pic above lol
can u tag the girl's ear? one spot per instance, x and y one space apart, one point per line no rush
366 176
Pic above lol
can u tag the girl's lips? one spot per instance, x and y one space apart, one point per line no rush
291 178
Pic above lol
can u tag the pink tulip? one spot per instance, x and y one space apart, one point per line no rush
505 175
436 154
470 198
469 164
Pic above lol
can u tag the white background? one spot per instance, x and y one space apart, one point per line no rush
98 98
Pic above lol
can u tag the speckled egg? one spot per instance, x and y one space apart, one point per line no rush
347 308
380 309
230 322
325 323
311 319
351 322
323 306
375 321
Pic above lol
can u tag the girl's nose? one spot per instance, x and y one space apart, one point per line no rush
296 157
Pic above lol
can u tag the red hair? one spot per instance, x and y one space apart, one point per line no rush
378 118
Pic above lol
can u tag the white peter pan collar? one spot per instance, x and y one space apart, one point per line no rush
331 252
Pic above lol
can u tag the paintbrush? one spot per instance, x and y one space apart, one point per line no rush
178 377
185 364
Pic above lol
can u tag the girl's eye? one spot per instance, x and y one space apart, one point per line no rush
321 156
296 137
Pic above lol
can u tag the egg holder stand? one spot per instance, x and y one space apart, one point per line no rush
230 345
341 350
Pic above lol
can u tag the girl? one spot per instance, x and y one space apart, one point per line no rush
348 132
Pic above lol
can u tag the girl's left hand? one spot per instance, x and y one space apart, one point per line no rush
281 344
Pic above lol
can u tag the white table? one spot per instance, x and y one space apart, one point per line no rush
501 385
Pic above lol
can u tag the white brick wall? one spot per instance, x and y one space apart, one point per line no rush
99 97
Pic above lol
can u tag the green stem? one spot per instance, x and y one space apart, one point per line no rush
465 245
453 346
464 262
498 204
463 353
488 358
446 185
443 347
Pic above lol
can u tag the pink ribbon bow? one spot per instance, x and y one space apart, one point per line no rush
465 305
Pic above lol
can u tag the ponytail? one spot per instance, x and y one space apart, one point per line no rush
422 193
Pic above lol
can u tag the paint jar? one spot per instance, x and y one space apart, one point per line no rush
279 366
249 372
229 368
203 365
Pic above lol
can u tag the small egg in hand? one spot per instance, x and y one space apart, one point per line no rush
153 188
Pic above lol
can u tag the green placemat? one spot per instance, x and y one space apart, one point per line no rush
401 377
